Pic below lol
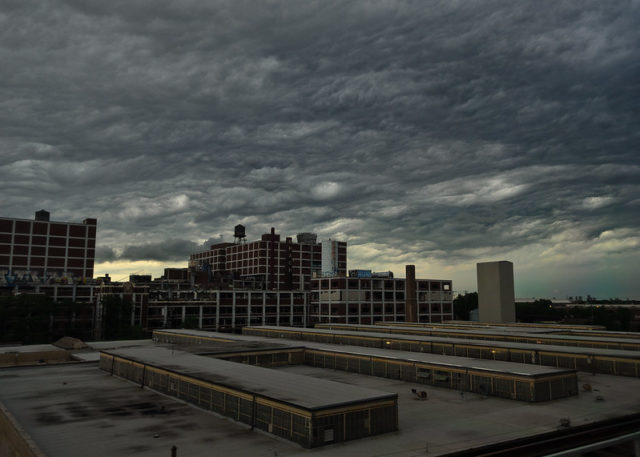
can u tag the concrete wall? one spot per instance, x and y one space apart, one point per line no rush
496 294
14 442
9 359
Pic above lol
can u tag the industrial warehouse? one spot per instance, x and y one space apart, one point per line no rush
315 388
488 377
288 350
559 329
305 410
595 360
271 281
537 337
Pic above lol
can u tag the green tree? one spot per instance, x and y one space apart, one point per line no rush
539 310
463 304
190 322
624 317
26 318
116 318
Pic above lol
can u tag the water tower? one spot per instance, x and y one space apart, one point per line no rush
239 235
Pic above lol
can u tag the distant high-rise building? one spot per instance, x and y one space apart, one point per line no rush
334 258
39 249
496 295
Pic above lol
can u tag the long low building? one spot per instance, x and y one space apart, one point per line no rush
629 344
32 355
547 325
561 329
606 361
521 328
515 381
306 410
71 409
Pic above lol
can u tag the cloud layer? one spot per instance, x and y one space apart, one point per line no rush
439 134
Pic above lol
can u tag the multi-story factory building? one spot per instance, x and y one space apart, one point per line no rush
269 281
269 263
226 309
366 300
40 249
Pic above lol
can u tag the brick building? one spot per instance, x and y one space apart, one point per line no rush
270 281
270 263
40 249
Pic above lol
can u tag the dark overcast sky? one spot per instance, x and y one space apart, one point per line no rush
435 133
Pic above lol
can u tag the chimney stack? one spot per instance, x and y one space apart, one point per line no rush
411 306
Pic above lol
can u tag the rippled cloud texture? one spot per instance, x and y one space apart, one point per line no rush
435 133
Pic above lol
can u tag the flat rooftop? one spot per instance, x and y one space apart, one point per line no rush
29 348
550 325
75 409
32 355
239 346
496 366
622 353
512 368
552 329
492 332
301 391
120 344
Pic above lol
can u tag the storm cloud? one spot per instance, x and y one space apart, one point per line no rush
440 133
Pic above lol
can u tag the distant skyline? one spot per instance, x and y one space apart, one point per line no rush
439 133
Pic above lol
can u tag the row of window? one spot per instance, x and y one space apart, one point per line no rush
281 254
41 260
39 263
44 228
363 284
240 321
233 254
254 245
366 308
6 238
233 265
42 251
52 271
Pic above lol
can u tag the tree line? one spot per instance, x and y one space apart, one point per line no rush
613 318
38 319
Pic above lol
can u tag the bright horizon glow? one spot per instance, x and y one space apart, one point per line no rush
120 269
528 284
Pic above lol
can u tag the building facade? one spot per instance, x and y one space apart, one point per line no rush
270 281
334 258
38 250
496 292
270 263
225 310
357 300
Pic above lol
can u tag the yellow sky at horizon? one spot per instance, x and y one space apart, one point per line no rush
121 269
